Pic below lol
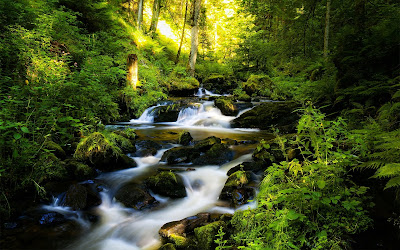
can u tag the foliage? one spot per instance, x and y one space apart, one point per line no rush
310 203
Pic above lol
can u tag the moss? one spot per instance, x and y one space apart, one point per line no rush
179 241
260 85
239 178
54 148
183 86
206 235
168 246
128 133
93 145
207 143
168 184
185 138
226 106
79 170
122 142
49 168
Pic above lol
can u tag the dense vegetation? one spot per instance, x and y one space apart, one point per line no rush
63 76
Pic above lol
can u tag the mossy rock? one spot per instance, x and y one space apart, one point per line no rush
134 196
272 154
168 184
206 235
167 113
237 190
147 148
256 84
270 115
168 246
50 168
102 153
254 167
180 155
218 154
183 87
185 138
125 144
127 133
80 197
219 83
79 171
238 179
226 106
206 143
55 149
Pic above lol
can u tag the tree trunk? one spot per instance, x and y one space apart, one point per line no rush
195 35
140 14
326 35
183 35
133 71
156 14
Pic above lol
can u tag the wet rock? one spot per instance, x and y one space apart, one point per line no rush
268 153
268 116
51 219
79 171
97 151
168 246
125 144
236 189
180 155
207 143
219 84
168 184
218 154
80 197
228 141
55 149
127 133
243 105
185 138
183 87
147 148
168 113
206 235
132 195
254 167
226 106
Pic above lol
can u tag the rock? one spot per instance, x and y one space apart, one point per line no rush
259 85
183 87
131 195
97 151
219 83
168 246
226 106
167 113
147 148
167 184
206 235
55 149
79 171
268 153
249 166
236 189
180 155
206 144
185 138
127 133
52 218
268 116
243 105
218 154
122 142
80 197
229 141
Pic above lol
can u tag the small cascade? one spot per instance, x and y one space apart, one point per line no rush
202 92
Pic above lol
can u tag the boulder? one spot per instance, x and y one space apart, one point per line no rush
168 184
168 246
226 106
206 144
55 149
237 190
180 155
147 148
219 84
99 152
79 171
80 197
183 87
206 235
254 167
185 138
218 154
168 113
268 116
52 218
132 195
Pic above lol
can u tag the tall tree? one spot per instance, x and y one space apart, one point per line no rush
194 35
183 34
140 14
156 14
326 35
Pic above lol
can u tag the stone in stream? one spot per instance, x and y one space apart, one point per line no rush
180 155
147 148
167 183
254 167
270 115
80 197
226 106
185 138
134 196
206 143
237 190
218 154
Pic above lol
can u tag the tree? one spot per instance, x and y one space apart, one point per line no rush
140 14
133 71
183 34
326 35
156 14
194 35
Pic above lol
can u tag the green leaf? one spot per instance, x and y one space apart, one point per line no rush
25 130
321 184
17 136
292 215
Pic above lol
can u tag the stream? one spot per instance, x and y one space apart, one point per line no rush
119 227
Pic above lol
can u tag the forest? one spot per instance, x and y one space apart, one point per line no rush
102 127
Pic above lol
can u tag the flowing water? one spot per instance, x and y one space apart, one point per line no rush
119 227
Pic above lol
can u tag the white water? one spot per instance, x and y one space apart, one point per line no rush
202 92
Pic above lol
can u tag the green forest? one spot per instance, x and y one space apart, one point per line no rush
331 180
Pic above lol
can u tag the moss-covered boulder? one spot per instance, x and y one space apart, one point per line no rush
79 171
99 151
218 154
168 246
226 106
167 113
185 138
254 167
270 115
259 85
167 183
206 143
180 155
134 196
55 149
237 190
183 87
219 84
206 235
119 140
128 133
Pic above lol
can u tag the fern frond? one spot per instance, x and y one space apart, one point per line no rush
370 165
388 170
394 182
